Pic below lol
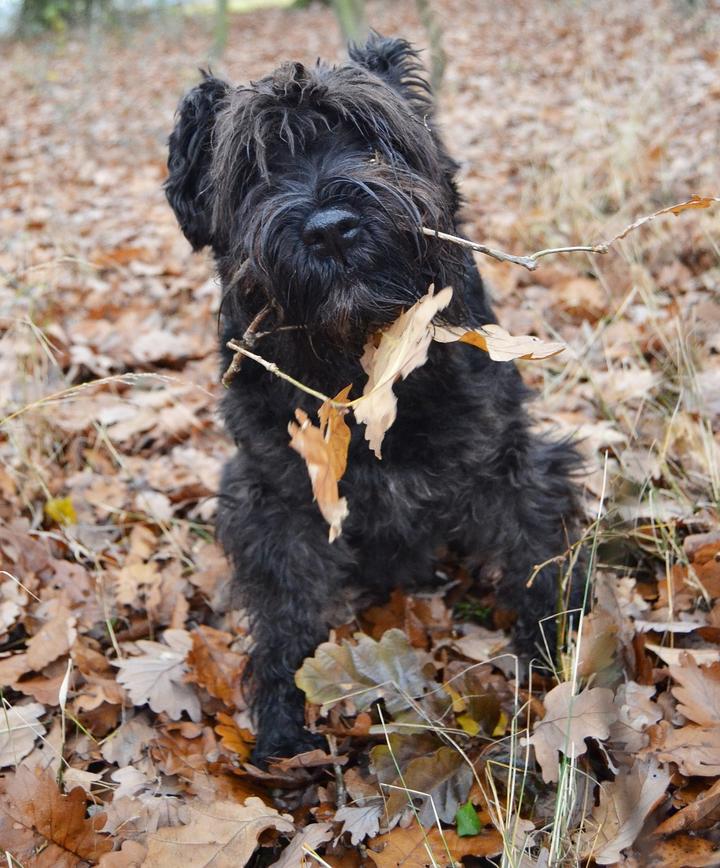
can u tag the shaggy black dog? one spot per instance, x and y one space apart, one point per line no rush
311 186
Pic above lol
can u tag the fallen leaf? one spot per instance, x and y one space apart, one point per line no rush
692 815
306 840
467 820
698 693
321 462
54 639
596 650
624 805
215 667
684 851
436 784
480 644
34 806
130 855
364 672
19 727
61 510
360 822
234 738
500 345
128 742
222 834
402 348
672 656
636 712
695 749
568 721
157 676
411 847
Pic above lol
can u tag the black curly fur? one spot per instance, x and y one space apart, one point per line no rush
460 466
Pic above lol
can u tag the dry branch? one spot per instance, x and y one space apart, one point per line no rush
531 262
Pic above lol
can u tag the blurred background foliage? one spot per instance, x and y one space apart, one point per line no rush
29 18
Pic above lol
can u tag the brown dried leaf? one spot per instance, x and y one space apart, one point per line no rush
309 838
223 834
410 848
568 721
436 784
624 805
317 453
684 851
500 345
34 803
215 667
403 347
53 640
130 855
699 692
692 815
695 749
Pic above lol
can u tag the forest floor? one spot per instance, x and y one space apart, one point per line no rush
124 736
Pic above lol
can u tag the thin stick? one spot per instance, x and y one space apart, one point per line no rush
248 339
531 262
273 368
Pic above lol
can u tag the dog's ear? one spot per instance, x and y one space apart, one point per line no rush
188 187
398 63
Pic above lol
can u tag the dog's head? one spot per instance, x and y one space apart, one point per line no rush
311 186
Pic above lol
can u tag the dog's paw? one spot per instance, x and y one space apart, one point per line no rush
285 745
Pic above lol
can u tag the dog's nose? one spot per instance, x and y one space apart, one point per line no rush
331 231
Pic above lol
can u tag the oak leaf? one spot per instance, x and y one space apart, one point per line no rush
698 693
569 720
360 821
500 345
402 348
222 834
695 749
364 672
624 805
46 828
157 676
636 712
321 460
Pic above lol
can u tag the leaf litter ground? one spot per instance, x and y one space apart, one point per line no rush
125 738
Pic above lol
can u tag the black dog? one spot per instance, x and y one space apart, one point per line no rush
311 186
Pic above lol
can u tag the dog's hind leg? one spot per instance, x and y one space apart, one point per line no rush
287 576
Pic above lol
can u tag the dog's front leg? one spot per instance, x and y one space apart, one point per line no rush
288 576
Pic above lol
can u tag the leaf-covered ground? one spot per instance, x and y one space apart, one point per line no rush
124 735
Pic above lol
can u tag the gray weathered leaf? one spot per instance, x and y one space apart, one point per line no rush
365 672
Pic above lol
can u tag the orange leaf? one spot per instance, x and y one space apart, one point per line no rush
308 440
336 432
